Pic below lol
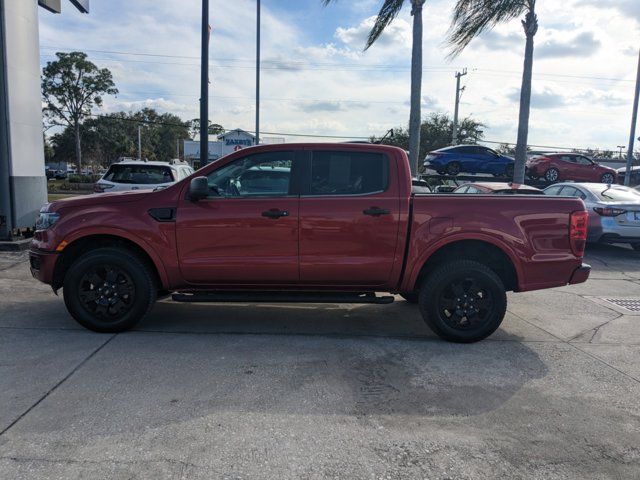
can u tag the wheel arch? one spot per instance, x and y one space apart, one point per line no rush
82 244
486 251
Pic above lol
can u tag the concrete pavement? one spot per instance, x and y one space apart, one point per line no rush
329 391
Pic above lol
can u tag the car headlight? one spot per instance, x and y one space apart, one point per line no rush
46 220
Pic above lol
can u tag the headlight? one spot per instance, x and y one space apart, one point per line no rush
46 220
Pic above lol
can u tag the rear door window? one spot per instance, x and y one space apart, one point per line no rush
348 173
139 174
553 190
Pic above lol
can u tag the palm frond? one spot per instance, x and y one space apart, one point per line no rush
472 17
388 12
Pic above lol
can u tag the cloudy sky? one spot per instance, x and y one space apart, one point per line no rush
317 80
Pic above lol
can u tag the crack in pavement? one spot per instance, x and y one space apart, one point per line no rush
52 389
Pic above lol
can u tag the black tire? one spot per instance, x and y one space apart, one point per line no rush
411 297
533 177
109 290
607 178
441 172
453 169
551 175
486 297
636 246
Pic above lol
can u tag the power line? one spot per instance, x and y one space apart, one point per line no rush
300 65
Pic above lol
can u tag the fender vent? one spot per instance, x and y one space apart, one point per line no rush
631 304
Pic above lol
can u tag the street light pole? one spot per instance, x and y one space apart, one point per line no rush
634 121
204 86
139 142
258 73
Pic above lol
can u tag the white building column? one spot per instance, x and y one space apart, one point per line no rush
21 139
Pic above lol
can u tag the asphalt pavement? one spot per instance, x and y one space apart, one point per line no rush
324 391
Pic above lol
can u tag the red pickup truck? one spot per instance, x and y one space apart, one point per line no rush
313 223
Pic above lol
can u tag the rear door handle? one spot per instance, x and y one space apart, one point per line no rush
275 213
376 212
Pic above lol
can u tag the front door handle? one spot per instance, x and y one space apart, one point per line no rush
275 213
376 212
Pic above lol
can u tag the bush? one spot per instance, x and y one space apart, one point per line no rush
75 178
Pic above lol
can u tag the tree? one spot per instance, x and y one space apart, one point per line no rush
214 128
109 137
470 19
436 132
71 87
388 12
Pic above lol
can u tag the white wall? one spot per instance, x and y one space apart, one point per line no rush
23 86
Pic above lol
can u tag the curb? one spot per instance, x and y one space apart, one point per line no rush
15 246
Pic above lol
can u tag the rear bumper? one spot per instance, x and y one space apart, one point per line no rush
580 274
43 265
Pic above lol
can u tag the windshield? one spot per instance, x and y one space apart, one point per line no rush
617 194
139 174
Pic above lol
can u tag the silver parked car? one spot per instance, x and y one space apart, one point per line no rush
614 210
142 175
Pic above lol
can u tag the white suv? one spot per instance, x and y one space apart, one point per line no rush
141 175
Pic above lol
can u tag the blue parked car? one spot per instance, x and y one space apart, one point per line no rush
469 159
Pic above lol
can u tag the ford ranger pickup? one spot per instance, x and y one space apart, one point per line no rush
315 223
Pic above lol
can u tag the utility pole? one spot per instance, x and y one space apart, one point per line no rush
139 142
634 121
204 86
459 90
258 73
178 149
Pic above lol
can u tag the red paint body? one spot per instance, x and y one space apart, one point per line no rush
325 243
570 166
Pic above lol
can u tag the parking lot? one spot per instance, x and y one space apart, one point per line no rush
323 391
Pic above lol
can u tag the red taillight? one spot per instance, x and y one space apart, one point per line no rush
578 232
609 212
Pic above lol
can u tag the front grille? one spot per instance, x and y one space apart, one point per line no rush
631 304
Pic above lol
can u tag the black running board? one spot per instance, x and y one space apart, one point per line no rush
281 297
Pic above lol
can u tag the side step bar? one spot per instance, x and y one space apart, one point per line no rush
281 297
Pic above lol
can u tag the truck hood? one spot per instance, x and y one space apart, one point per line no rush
100 199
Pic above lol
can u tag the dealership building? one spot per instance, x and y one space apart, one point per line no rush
224 144
23 184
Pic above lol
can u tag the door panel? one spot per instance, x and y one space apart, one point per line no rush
246 231
349 239
230 241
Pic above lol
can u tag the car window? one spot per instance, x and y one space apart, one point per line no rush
584 161
465 150
473 190
568 192
462 189
139 174
568 158
617 194
267 174
348 173
553 190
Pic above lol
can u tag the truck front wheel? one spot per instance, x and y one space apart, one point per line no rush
463 301
109 290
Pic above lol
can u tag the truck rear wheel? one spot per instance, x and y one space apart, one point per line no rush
463 301
109 290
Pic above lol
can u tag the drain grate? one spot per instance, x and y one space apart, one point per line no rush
631 304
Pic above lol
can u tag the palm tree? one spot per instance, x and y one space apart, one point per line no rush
470 19
388 12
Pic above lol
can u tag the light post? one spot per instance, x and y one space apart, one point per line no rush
258 72
204 86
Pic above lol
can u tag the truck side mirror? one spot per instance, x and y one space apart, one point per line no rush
198 189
